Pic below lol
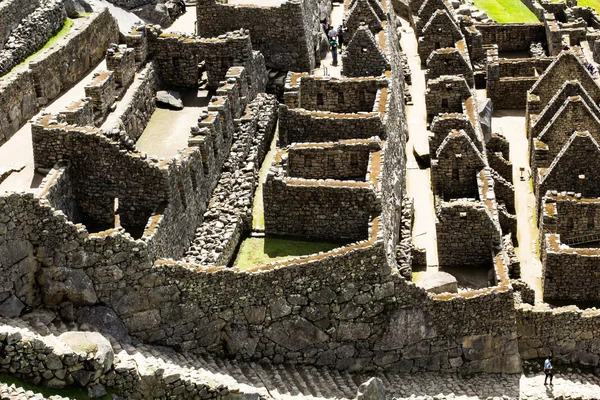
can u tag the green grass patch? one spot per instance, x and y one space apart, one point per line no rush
256 251
70 393
595 4
506 11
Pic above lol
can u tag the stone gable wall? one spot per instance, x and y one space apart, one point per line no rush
357 62
453 89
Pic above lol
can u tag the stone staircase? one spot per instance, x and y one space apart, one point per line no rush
286 381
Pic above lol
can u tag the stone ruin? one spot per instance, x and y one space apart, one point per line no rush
118 259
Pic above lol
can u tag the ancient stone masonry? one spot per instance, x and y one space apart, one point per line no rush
177 57
288 34
364 56
13 12
446 94
569 266
359 109
31 35
509 80
361 12
23 92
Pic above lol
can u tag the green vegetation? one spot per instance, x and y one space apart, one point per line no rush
70 393
595 4
506 11
256 251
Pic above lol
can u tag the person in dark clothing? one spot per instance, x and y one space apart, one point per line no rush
340 35
333 45
181 4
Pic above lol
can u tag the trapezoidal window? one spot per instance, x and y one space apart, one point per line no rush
455 175
320 101
341 98
444 103
570 223
354 159
590 221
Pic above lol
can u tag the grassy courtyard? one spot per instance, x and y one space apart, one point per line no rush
507 11
595 4
256 251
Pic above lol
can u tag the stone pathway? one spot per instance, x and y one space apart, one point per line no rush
418 181
326 68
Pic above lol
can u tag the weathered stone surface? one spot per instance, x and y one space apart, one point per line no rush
373 389
11 307
104 320
169 99
415 325
439 282
94 344
295 333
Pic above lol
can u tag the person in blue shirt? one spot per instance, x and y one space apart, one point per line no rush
548 370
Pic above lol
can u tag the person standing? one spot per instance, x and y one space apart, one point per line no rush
548 370
340 35
332 33
333 45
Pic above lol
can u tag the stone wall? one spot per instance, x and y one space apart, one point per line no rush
177 57
285 46
141 104
339 96
466 235
299 125
509 93
23 92
450 61
63 65
338 160
446 94
13 11
229 213
541 334
512 37
443 124
32 34
18 102
319 209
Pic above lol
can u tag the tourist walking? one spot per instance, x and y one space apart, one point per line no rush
333 45
548 370
340 35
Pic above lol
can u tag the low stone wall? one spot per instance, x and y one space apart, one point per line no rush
568 334
229 213
337 160
141 104
13 11
510 93
339 96
512 37
319 209
32 34
299 125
